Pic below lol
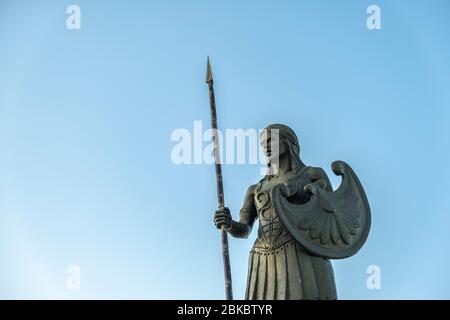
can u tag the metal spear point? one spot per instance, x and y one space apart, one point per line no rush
219 183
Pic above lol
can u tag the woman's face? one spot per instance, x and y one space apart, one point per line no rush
271 143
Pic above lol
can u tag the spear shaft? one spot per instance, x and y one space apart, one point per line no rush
219 182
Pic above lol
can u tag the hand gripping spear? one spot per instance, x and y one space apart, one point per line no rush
220 198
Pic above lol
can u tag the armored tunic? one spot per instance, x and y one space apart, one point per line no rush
279 267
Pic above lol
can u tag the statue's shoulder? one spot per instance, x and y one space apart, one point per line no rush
251 190
305 172
313 173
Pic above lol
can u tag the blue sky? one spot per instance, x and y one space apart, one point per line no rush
86 117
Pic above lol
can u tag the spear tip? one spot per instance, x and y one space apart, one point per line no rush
209 77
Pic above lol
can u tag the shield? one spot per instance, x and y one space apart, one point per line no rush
332 225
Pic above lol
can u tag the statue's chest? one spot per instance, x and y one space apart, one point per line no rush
262 193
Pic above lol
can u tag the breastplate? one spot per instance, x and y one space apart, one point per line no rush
271 232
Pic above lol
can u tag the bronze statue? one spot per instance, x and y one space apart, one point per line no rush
302 222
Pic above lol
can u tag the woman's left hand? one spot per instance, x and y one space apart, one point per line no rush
288 189
312 187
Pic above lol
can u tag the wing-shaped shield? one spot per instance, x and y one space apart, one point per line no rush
333 225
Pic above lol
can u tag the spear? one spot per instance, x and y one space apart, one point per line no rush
219 182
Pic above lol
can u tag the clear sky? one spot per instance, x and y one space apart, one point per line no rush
86 116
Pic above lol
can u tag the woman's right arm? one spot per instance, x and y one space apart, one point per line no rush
247 217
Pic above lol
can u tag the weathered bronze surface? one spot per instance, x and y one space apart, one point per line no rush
302 223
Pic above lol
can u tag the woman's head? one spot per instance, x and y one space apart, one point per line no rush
281 138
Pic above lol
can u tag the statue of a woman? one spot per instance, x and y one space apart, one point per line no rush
280 267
